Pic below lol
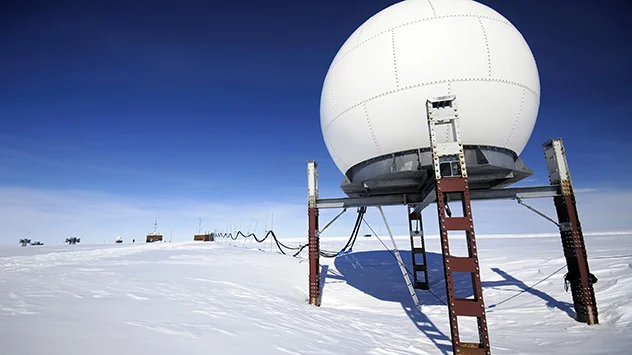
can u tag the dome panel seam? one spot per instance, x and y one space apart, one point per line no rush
428 84
434 12
489 57
394 59
368 120
524 92
359 44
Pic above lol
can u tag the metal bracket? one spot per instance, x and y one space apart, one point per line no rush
565 227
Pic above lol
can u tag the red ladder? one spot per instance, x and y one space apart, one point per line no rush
451 179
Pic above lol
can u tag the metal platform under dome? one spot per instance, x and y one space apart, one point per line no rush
410 172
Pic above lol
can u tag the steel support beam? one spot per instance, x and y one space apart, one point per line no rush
578 276
412 199
513 193
313 243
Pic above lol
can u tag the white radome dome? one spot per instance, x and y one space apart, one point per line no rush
374 94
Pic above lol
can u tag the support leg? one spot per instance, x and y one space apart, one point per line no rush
314 243
578 276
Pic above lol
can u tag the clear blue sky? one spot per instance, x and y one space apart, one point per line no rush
166 105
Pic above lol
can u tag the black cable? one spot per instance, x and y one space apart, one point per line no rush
324 253
356 230
279 245
282 247
351 242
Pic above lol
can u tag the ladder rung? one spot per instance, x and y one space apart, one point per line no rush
471 349
443 118
448 184
447 149
468 307
419 267
418 250
422 285
457 224
415 233
462 264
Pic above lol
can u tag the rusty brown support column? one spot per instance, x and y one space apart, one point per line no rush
314 243
578 275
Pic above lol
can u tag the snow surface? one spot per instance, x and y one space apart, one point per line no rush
216 298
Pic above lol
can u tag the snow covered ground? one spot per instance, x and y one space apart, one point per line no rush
215 298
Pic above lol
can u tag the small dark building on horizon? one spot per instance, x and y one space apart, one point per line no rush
152 238
207 237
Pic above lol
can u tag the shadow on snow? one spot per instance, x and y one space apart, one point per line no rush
376 273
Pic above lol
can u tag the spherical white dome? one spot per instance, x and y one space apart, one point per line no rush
374 94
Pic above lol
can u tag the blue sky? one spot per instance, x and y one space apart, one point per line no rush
116 113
